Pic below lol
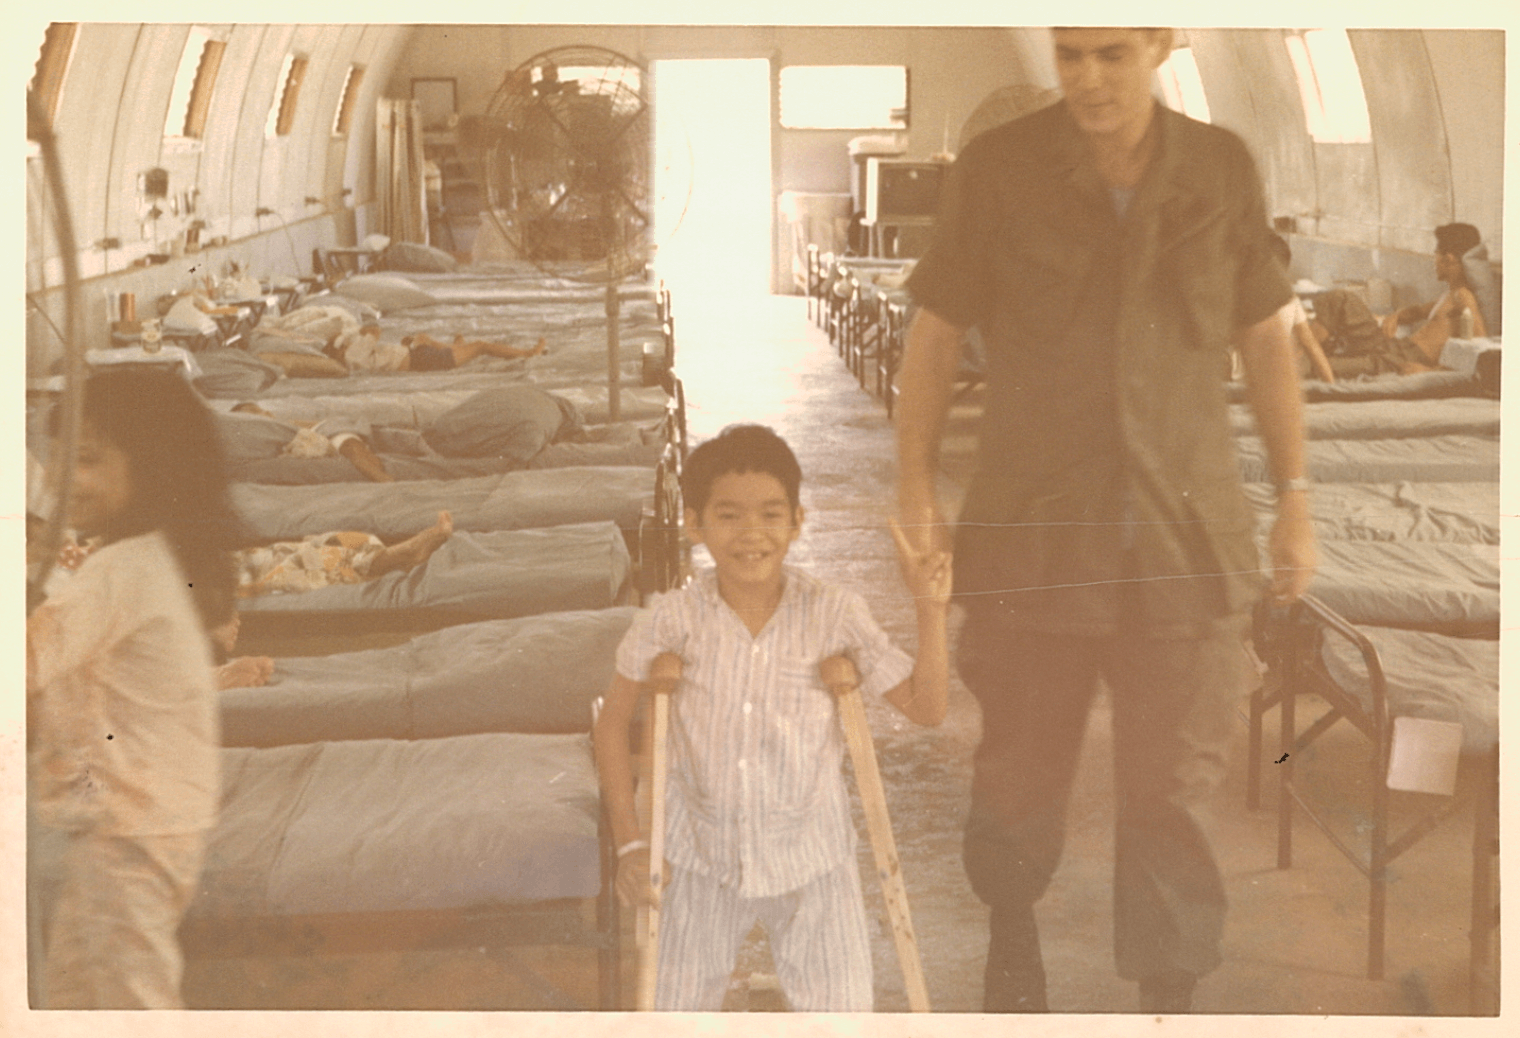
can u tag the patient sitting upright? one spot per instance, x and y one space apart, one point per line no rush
1346 327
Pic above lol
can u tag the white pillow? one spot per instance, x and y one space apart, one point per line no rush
385 292
185 316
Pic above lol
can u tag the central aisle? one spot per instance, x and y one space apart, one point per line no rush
1295 939
763 361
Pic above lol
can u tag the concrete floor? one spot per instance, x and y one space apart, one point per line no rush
1296 942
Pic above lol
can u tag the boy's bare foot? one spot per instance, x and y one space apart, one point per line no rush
414 551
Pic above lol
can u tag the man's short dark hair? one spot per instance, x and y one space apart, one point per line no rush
1455 239
737 449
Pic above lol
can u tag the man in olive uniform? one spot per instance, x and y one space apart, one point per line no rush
1112 253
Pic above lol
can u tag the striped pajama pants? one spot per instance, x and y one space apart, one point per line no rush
817 935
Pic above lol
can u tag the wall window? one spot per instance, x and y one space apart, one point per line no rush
1182 86
350 100
1335 106
193 83
844 97
282 113
52 63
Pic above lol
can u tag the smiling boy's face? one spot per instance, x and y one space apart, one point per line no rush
748 524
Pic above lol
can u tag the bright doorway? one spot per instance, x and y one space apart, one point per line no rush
713 176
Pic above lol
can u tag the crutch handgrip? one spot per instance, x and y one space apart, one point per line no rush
664 678
839 675
665 674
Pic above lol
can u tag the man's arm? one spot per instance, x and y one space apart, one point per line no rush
926 383
1272 388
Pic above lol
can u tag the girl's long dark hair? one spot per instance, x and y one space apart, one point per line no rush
179 479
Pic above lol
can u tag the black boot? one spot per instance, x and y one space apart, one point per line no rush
1015 979
1170 992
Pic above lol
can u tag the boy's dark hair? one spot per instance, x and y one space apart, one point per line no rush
179 480
1281 249
1455 239
740 448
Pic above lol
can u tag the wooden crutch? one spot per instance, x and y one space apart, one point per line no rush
664 677
842 679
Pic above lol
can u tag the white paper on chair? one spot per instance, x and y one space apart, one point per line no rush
1423 758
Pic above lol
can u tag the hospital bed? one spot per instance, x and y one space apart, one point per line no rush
536 674
478 842
472 576
395 511
1401 620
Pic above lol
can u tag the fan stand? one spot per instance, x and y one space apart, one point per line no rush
614 353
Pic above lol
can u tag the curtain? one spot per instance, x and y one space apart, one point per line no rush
401 188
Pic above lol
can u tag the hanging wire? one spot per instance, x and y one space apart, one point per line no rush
65 453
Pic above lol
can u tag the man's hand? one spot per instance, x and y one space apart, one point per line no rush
926 571
1292 547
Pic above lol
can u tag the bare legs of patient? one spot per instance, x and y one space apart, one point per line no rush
413 551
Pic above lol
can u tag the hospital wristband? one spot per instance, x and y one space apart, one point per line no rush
631 846
1296 483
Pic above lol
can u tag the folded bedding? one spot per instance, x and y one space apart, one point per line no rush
1458 513
394 511
382 825
533 674
1428 675
501 574
1452 458
1388 419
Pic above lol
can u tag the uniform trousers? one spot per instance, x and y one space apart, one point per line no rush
817 936
1174 703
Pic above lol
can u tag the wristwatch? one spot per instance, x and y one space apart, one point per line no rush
1296 483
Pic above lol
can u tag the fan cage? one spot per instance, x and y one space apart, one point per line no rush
567 166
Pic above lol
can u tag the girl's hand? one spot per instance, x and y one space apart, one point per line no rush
927 573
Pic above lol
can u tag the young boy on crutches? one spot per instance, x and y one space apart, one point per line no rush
757 820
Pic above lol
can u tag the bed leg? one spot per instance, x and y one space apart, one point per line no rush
1482 1000
1253 749
1377 873
1288 718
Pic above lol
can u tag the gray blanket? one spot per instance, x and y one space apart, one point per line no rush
488 575
395 511
535 674
386 825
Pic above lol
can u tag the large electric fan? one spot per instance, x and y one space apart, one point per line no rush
566 163
62 457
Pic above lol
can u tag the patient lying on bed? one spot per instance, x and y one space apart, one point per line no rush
363 351
343 557
329 341
326 438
